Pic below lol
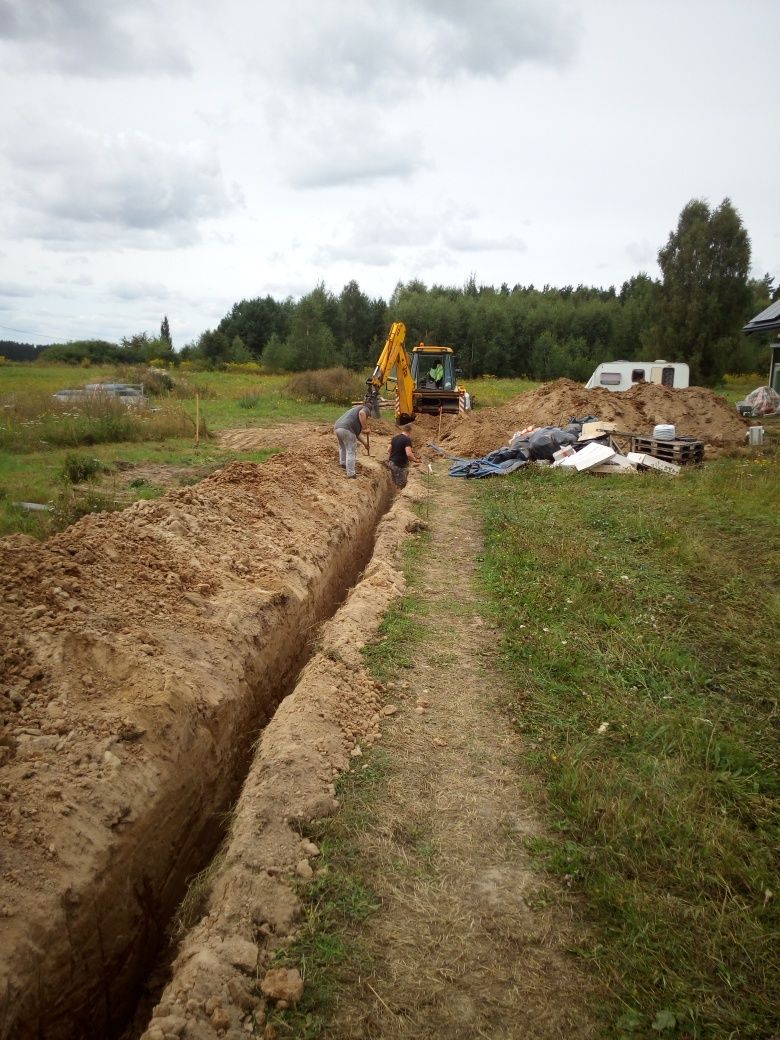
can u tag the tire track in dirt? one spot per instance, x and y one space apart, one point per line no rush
470 941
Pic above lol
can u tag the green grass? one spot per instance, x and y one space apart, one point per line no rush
326 949
401 629
489 393
640 619
37 476
736 388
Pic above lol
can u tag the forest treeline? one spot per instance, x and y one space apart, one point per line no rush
694 313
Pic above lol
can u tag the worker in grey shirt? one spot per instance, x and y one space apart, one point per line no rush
350 429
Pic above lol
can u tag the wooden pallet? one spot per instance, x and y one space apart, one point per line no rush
683 453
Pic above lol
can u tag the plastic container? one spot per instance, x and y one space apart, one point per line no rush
664 432
755 435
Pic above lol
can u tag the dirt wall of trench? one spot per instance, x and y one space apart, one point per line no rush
142 653
332 715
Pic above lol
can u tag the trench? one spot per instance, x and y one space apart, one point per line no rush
108 956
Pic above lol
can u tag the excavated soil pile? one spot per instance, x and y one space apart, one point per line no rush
142 652
695 412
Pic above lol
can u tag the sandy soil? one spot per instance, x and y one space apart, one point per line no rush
257 438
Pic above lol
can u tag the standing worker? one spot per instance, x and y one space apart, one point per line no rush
400 455
351 428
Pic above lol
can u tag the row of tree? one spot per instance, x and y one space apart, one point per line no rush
694 313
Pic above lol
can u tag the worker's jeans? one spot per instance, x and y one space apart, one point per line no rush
400 474
347 450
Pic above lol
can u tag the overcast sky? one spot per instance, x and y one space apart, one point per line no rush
175 157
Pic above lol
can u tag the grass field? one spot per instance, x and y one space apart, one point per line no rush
640 620
36 436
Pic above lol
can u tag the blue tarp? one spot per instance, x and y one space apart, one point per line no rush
496 464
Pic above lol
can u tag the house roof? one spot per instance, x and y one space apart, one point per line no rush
766 321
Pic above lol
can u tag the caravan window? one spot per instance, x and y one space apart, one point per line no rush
638 375
610 379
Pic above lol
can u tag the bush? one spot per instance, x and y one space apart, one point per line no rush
249 401
155 381
76 467
326 385
69 506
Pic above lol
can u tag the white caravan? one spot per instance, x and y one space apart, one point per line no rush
622 375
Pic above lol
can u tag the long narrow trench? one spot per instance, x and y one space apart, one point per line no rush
156 971
88 982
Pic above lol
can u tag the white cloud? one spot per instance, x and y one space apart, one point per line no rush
79 189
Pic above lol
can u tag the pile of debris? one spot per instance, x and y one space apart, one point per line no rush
585 445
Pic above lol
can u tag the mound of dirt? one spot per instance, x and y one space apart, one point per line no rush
141 652
695 411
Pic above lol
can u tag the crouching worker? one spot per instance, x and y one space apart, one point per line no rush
350 429
400 455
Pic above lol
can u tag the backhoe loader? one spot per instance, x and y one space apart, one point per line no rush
424 383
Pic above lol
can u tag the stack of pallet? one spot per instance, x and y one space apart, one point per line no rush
681 452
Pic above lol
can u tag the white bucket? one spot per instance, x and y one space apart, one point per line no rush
755 435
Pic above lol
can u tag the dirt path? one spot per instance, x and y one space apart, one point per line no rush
470 941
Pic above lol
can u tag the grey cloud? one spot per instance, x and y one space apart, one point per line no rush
492 38
378 236
396 46
89 190
92 39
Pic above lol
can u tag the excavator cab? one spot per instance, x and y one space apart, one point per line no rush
433 371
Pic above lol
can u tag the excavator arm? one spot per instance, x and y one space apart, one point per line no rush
393 356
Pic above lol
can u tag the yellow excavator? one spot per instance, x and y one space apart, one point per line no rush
424 383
